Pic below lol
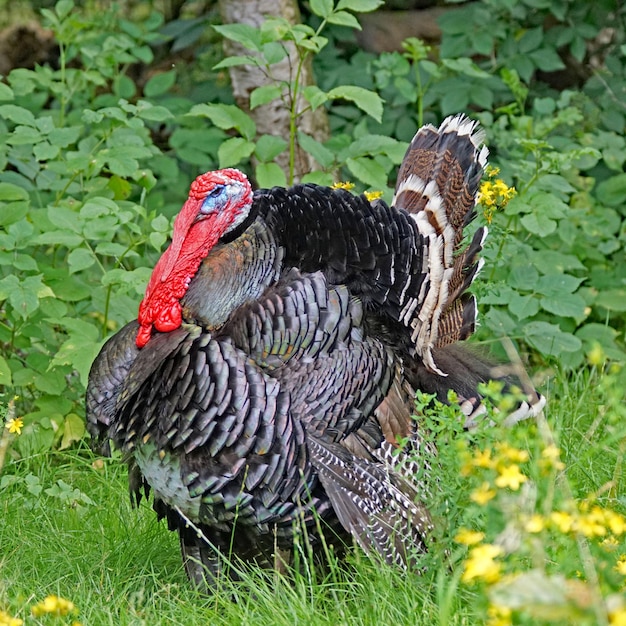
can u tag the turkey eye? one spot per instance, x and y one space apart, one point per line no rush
210 202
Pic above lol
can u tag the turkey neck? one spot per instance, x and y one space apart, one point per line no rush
232 274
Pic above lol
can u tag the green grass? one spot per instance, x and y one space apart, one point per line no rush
120 566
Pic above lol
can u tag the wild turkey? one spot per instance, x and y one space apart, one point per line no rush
272 368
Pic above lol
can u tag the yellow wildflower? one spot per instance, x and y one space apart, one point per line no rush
563 521
596 355
498 615
550 458
535 524
482 458
7 620
482 494
481 564
609 544
615 521
373 195
617 618
620 566
511 453
591 524
511 477
54 605
343 185
494 195
15 425
469 537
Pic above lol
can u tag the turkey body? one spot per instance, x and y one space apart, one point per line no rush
307 325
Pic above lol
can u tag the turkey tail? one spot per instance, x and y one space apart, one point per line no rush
377 506
437 184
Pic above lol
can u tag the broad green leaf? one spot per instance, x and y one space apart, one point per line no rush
73 430
523 307
523 277
550 339
270 175
263 95
318 151
315 96
159 84
565 305
18 115
322 8
64 137
612 299
233 151
154 113
80 259
268 147
368 171
226 116
13 212
538 224
343 18
44 151
248 36
612 191
6 93
500 322
557 284
5 373
359 6
465 66
10 192
274 52
368 101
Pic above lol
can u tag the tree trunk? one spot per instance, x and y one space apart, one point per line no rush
273 118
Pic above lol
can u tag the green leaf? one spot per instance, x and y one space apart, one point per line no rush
6 93
318 151
538 224
10 192
226 116
523 307
359 6
464 66
322 8
314 96
368 101
523 277
263 95
24 295
5 373
612 191
612 299
73 430
234 61
550 339
557 284
343 18
270 175
45 152
233 151
159 84
368 171
268 147
18 115
565 305
248 36
80 259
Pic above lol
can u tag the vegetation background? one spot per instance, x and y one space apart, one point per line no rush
107 112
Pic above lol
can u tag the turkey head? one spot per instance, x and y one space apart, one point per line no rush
218 202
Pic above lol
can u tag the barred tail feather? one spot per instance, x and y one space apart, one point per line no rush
437 184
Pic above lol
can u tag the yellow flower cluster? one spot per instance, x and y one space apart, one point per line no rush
481 564
15 425
373 195
53 605
498 615
7 620
505 462
343 185
494 194
617 618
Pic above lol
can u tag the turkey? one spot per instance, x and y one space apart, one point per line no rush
271 371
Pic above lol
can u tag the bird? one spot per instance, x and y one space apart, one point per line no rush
269 377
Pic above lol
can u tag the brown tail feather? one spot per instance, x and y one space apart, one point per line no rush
437 184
